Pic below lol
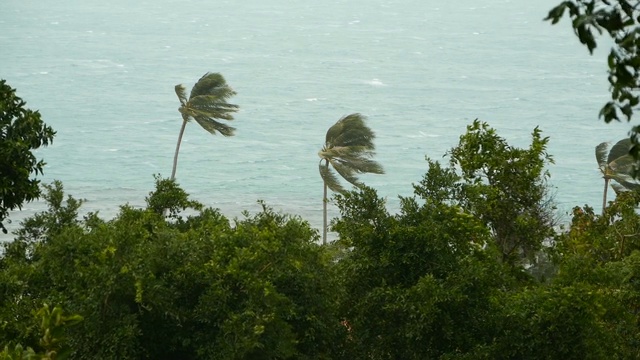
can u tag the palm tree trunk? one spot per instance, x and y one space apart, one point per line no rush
604 195
324 215
175 157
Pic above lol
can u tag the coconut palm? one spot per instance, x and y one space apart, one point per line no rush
206 104
348 150
616 164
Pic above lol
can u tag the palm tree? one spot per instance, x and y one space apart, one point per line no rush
616 164
348 148
206 104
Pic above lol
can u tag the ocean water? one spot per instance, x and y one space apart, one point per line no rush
103 74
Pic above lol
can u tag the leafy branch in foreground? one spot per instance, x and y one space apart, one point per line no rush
620 20
52 344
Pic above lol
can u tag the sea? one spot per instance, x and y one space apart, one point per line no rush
102 74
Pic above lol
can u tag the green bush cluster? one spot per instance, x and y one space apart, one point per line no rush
473 266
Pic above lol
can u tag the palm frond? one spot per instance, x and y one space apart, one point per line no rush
366 166
346 171
620 149
602 151
330 179
350 130
630 184
210 113
334 131
356 136
617 188
624 183
182 94
209 106
623 165
213 126
212 84
346 152
361 165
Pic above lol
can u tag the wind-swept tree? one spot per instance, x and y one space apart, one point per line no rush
616 164
348 150
206 104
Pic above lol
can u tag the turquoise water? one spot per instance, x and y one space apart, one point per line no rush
102 74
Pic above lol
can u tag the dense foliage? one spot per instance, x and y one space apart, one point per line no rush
471 267
21 131
188 288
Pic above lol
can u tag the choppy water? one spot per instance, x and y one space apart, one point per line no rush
102 74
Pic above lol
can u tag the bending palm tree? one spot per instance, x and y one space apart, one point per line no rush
617 165
348 148
206 104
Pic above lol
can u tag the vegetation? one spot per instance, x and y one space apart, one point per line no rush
503 186
52 345
616 164
191 288
21 131
619 20
206 104
348 148
473 266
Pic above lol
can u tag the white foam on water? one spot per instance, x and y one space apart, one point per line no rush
375 82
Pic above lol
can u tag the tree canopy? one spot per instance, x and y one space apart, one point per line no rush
194 287
470 267
21 132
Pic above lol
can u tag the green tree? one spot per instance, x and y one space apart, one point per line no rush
600 254
348 150
419 284
206 104
21 131
435 281
192 287
609 237
616 164
505 187
619 20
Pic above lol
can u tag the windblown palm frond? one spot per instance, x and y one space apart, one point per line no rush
350 131
330 179
182 94
615 162
208 103
213 126
348 150
212 84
